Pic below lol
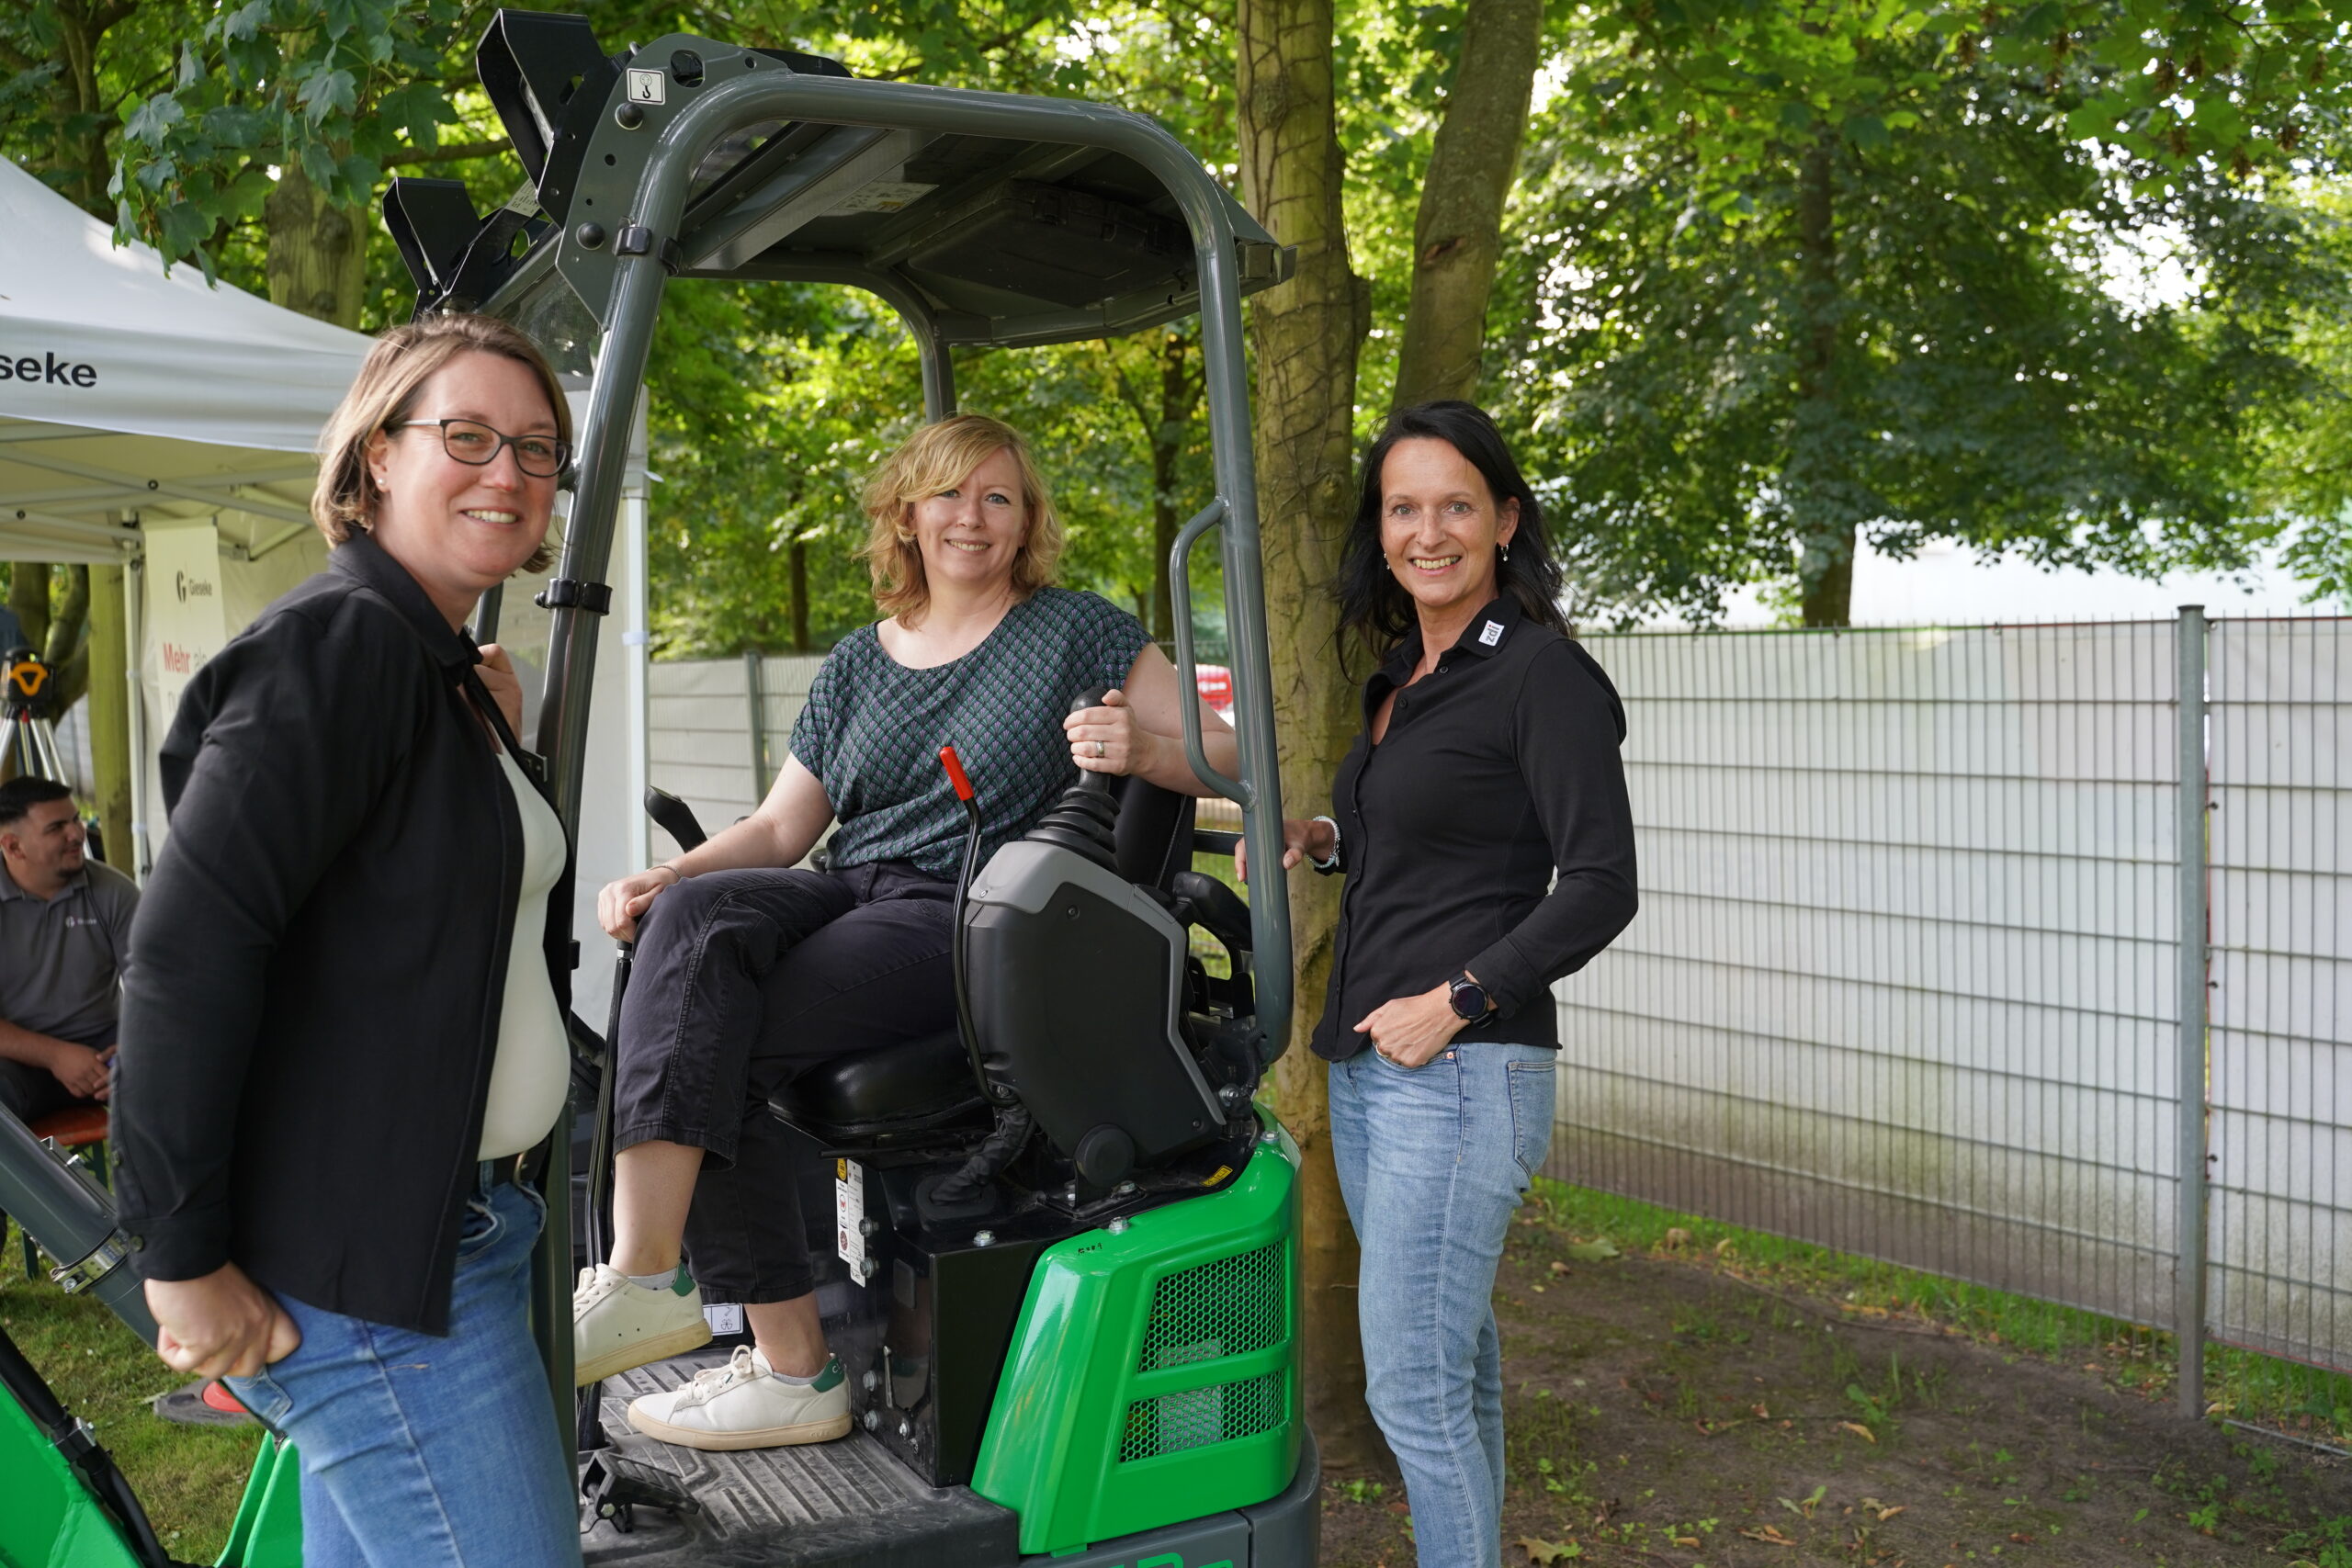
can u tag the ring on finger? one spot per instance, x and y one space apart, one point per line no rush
1100 751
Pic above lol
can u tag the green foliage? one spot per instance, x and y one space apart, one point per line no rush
334 90
1994 166
771 404
1961 364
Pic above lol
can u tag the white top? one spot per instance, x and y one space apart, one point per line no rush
532 1072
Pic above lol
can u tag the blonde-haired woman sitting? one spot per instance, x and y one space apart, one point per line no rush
747 975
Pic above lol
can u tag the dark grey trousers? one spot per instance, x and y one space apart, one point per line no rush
30 1093
743 980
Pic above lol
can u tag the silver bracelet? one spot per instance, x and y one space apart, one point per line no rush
1332 863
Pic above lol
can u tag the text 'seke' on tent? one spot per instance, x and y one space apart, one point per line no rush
127 393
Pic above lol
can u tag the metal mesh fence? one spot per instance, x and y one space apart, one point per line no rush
2280 864
1903 981
1907 981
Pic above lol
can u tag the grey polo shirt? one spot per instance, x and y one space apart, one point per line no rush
61 959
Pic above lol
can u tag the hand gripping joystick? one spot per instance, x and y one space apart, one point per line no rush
1084 819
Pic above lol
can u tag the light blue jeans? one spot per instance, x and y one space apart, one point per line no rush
421 1451
1432 1161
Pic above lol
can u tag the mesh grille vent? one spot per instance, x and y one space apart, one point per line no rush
1199 1416
1230 1308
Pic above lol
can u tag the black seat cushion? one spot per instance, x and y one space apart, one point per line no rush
918 1083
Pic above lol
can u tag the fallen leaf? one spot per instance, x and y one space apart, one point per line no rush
1677 1238
1760 1413
1598 1251
1558 1266
1723 1248
2021 1538
1537 1289
1549 1552
1859 1430
1690 1542
1769 1536
1887 1514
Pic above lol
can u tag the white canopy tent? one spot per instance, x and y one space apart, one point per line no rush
165 424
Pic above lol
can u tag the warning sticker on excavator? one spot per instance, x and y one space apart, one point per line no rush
849 1218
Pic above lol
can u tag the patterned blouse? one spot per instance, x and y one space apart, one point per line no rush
871 730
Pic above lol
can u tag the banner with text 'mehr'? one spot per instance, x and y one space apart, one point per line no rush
185 624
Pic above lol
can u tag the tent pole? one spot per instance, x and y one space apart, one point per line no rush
140 855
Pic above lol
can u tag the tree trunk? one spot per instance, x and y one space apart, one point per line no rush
1164 419
79 116
1819 477
318 252
1458 234
799 563
28 597
110 667
1305 334
65 651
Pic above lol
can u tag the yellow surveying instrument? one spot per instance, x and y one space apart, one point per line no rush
27 687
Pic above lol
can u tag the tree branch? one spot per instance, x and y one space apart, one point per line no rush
449 152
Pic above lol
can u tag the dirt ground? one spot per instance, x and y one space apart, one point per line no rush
1661 1411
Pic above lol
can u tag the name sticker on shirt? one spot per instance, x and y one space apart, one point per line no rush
1491 633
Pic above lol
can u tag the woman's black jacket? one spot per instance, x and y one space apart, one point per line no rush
318 964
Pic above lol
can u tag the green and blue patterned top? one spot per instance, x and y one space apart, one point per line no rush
871 730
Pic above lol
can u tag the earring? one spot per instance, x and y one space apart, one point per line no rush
1505 549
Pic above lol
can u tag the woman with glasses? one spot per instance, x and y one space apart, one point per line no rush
346 1020
748 974
1482 825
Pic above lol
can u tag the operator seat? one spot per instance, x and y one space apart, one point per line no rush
921 1095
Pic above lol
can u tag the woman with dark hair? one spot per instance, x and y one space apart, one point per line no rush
1482 824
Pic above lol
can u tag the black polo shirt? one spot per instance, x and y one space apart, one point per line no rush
1499 770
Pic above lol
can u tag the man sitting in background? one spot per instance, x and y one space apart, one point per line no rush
65 932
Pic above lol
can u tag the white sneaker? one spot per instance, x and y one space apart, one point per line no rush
742 1406
617 1324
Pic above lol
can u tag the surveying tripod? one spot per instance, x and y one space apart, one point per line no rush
28 749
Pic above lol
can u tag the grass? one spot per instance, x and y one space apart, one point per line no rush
2306 1403
189 1477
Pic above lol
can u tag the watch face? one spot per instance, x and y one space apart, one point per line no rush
1470 999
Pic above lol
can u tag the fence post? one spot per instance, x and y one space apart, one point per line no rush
2190 1072
756 695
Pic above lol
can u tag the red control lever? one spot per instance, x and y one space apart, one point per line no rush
955 774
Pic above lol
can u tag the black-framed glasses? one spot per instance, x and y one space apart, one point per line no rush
476 445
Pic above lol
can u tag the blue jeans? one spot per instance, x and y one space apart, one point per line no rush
1432 1161
421 1451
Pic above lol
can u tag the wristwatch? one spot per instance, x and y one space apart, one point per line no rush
1470 1000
